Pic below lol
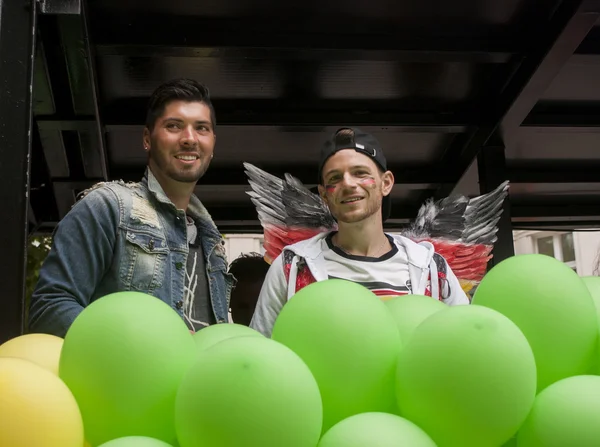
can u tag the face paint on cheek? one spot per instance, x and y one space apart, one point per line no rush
329 189
368 182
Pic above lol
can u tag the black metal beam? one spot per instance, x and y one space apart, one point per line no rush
80 62
571 116
565 211
554 44
419 176
524 216
247 212
65 194
491 163
551 225
591 6
564 116
17 56
270 37
67 67
307 174
60 6
41 196
97 136
307 112
85 123
300 80
519 212
256 50
566 207
56 95
566 172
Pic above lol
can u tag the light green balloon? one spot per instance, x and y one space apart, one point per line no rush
211 335
250 392
136 441
593 285
410 311
375 430
567 413
553 308
350 342
123 359
467 377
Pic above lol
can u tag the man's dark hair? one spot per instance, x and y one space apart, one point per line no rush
250 265
344 137
177 89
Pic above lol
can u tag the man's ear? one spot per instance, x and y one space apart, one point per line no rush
146 139
387 182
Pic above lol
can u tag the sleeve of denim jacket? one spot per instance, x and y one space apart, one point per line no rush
81 253
272 297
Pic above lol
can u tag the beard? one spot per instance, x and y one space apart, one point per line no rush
167 166
371 206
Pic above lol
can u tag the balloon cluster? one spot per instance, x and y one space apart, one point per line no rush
342 369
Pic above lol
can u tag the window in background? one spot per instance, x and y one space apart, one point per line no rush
545 245
559 246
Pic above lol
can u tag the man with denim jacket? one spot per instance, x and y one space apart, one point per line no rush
154 236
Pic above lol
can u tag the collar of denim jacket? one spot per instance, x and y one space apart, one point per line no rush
196 209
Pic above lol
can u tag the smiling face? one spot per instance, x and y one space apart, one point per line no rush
182 141
353 186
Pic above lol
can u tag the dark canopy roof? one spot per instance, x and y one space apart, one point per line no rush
437 82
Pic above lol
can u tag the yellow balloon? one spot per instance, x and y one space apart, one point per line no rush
42 349
36 408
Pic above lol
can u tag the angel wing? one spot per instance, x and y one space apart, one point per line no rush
287 210
462 230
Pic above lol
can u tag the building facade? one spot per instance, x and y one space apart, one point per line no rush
580 250
238 244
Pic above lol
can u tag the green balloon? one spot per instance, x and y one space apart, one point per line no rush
250 392
593 285
553 308
467 377
567 413
123 359
410 311
211 335
350 342
375 430
136 441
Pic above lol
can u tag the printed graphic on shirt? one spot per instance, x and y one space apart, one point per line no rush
383 290
386 276
197 309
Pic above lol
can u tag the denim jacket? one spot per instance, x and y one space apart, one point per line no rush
125 236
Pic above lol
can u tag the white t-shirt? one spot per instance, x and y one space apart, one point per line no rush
386 276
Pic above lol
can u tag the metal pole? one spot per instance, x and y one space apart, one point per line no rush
17 55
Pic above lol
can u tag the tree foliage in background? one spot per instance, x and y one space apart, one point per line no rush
37 250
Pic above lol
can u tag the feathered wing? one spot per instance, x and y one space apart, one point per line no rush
463 231
288 211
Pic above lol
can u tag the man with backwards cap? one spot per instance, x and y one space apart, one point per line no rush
355 184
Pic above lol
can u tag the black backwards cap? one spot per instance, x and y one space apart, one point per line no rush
363 143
